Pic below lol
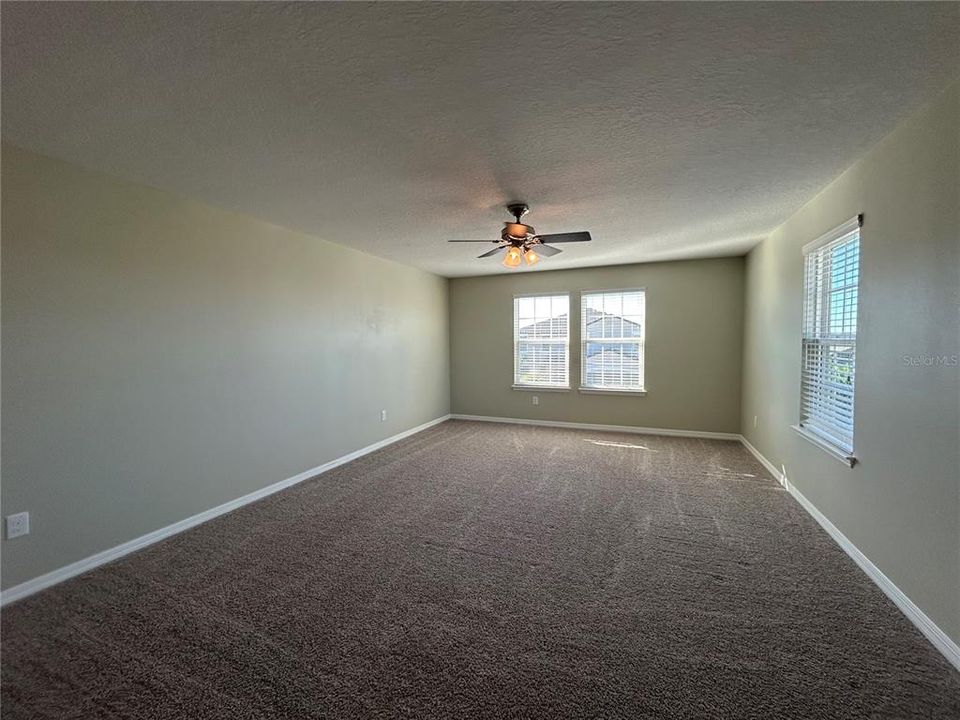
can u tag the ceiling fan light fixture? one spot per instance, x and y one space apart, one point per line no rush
531 257
513 257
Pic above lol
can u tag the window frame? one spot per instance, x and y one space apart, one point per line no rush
546 387
820 433
641 342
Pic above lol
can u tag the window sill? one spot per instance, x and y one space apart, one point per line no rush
542 388
610 391
835 452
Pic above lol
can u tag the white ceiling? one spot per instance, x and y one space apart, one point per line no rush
667 130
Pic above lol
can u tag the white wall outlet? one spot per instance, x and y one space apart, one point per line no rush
756 422
536 399
18 525
383 416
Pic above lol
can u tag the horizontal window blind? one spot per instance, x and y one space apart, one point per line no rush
831 283
541 340
613 324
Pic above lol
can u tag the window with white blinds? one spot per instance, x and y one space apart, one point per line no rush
613 323
831 278
541 340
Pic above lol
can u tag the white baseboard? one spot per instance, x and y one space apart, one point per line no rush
938 638
603 428
46 580
777 474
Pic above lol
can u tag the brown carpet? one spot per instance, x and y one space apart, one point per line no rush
479 570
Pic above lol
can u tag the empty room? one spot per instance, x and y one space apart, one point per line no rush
503 360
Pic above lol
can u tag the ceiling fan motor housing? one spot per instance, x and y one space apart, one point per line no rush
516 232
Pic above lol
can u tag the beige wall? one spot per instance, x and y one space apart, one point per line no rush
693 346
901 504
161 357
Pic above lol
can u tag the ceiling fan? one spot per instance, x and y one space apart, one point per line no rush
520 242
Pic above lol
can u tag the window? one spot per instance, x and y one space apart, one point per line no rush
541 341
830 283
612 324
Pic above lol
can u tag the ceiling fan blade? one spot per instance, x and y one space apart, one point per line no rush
546 250
493 252
486 241
564 237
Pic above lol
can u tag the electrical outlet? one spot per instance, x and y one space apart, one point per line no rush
536 399
383 416
756 422
18 525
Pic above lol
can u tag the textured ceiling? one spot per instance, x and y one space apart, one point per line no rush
667 130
